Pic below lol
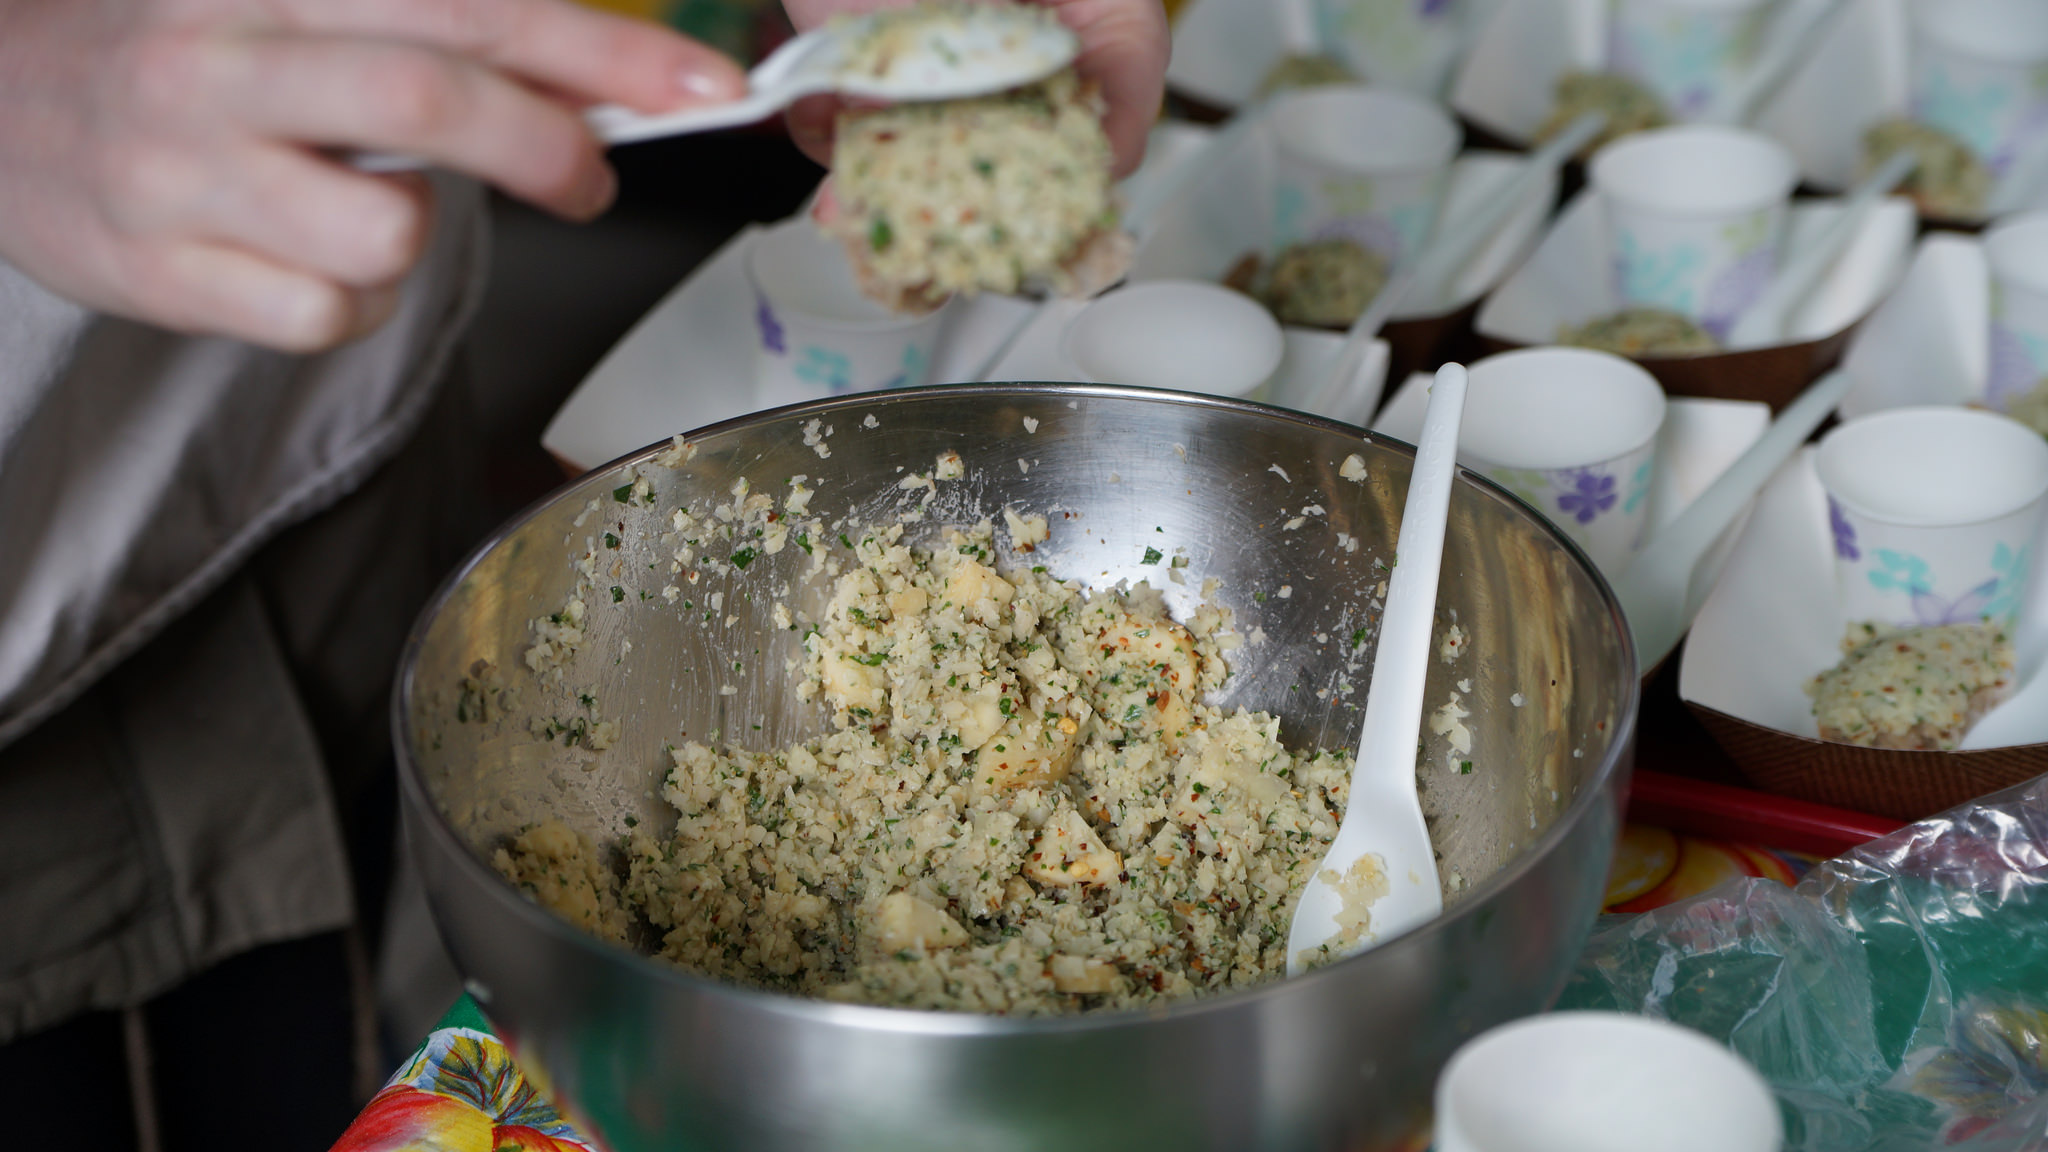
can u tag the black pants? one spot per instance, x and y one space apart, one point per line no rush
256 1053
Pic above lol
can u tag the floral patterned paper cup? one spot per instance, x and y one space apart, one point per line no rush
2017 252
1980 73
1366 164
1695 219
817 335
1933 513
1686 51
1407 44
1573 432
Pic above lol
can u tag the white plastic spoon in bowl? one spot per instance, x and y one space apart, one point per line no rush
987 48
1764 324
1656 591
1383 828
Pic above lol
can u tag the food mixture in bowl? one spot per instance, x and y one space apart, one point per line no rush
1641 332
1023 804
1918 689
996 193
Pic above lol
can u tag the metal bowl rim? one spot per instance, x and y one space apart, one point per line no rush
925 1021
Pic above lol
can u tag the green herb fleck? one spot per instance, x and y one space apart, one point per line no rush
618 594
1152 556
623 493
743 557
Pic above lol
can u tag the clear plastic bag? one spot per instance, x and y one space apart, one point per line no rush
1897 998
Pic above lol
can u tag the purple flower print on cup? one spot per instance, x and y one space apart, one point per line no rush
1845 532
771 328
1737 287
2012 370
1590 494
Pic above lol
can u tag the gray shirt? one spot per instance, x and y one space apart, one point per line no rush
162 800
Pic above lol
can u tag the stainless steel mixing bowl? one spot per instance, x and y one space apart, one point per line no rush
649 1057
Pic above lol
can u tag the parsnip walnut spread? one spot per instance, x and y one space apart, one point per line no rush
992 194
1915 689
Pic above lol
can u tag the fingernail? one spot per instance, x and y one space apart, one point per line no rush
603 192
306 316
705 85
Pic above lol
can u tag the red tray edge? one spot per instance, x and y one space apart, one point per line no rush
1701 808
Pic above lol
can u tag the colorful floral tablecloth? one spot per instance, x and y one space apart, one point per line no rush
461 1092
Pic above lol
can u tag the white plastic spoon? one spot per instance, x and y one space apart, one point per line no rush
987 48
1383 817
1458 240
1656 591
1444 255
1790 42
1764 324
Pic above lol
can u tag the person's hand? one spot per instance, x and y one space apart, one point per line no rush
163 159
1123 50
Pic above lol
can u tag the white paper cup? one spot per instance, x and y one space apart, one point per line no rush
1686 51
1185 334
1977 74
1367 164
1695 219
1411 45
1602 1082
816 335
2017 252
1573 432
1933 513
